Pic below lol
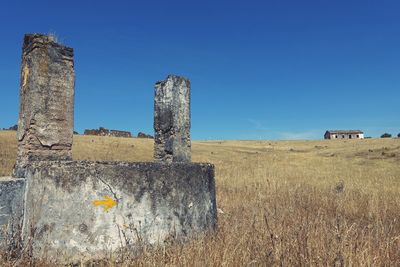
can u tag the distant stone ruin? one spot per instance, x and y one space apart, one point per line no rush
105 132
117 133
143 135
99 132
72 211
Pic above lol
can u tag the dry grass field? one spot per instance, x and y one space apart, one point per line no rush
281 203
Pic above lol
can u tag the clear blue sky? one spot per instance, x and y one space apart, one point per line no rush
259 69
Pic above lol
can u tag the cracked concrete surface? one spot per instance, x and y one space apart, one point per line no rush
155 201
11 205
110 188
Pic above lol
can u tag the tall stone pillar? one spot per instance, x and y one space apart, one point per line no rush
45 125
172 120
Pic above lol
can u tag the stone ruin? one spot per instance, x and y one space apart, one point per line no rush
144 135
172 120
105 132
68 210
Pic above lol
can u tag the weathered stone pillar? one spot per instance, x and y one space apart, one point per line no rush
45 125
172 120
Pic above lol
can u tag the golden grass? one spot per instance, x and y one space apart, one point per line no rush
286 203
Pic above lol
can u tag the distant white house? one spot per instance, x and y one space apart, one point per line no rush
344 134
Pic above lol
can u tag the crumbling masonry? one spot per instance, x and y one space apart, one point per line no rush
45 125
172 120
80 210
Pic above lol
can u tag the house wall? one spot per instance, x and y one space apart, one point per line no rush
345 136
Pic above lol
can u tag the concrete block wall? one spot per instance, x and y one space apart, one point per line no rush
88 209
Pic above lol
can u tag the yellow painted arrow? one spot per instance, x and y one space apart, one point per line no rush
108 203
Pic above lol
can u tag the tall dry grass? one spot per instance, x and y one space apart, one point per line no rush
282 203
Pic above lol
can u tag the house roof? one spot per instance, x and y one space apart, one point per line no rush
344 131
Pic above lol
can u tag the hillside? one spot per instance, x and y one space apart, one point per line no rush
281 202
